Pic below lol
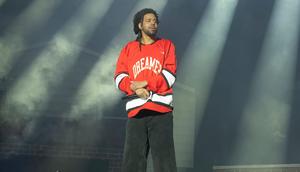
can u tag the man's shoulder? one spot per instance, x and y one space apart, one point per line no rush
130 46
165 42
132 43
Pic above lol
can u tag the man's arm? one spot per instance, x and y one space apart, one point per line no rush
122 79
166 79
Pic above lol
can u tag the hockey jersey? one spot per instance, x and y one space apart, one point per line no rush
155 63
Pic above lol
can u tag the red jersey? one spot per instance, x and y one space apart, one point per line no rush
155 63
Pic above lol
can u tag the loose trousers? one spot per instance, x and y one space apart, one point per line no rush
149 130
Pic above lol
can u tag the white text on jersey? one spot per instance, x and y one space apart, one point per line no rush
149 63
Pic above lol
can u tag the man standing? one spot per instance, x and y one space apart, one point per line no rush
145 71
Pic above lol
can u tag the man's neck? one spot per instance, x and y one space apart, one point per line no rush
147 39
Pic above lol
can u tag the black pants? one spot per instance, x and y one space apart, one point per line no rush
154 131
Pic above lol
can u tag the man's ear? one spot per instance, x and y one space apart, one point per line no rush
140 26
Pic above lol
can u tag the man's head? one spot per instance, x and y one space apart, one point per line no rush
146 20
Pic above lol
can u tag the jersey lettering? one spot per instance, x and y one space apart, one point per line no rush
149 63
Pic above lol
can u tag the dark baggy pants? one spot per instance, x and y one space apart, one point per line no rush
154 131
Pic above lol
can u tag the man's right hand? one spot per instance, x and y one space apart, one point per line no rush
137 85
142 93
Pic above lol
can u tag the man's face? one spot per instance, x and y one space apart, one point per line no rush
149 24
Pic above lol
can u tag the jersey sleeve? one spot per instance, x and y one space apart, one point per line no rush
166 79
121 77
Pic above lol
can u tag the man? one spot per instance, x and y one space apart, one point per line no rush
146 71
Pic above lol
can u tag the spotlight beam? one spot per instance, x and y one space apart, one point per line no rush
266 116
13 41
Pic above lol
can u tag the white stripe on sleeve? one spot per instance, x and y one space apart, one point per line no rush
119 79
169 76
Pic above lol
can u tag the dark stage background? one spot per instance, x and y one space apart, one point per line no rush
236 96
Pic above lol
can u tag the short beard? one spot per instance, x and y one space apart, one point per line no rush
151 34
